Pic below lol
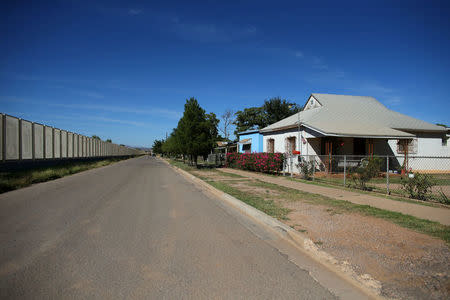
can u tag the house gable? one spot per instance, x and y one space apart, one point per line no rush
312 103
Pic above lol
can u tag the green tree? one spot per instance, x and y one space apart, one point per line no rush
196 131
276 109
273 110
249 118
96 137
108 141
157 146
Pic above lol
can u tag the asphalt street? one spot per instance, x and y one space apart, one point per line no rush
137 229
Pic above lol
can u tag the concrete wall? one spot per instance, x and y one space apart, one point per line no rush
25 140
57 143
48 142
69 144
12 138
63 143
38 141
2 117
75 145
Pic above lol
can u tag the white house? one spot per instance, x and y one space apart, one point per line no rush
358 125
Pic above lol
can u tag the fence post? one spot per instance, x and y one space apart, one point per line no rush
345 168
387 174
314 168
290 167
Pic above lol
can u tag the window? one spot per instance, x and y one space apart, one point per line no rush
247 148
290 144
407 146
270 146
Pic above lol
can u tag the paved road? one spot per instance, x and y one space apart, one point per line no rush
137 229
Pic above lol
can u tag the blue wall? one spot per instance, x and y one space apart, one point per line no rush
257 141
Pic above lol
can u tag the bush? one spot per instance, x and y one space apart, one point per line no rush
307 169
419 186
259 162
443 198
367 170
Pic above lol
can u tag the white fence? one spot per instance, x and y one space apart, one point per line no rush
22 140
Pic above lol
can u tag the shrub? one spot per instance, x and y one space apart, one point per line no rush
419 186
307 169
443 198
367 170
259 162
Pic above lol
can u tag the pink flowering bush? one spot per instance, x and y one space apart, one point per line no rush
259 162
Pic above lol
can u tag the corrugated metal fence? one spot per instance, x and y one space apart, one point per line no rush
22 140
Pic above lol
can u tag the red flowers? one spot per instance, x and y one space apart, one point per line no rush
260 162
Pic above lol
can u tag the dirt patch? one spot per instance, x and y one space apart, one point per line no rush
409 265
214 175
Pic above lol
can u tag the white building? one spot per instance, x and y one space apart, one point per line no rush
331 125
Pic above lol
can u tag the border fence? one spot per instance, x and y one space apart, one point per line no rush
22 140
424 178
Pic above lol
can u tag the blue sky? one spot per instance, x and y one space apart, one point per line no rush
123 69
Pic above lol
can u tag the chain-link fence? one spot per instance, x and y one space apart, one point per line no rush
424 178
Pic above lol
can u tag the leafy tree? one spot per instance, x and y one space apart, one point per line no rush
273 110
276 109
157 146
108 141
96 137
213 124
249 118
196 132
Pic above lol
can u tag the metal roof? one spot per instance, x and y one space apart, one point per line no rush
343 115
248 131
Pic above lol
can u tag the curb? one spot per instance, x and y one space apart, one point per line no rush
365 283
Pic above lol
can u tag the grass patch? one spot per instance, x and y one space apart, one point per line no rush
13 180
267 206
377 192
420 225
182 165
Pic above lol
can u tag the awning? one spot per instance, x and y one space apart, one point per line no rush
245 142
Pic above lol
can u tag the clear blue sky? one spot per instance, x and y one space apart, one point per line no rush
123 69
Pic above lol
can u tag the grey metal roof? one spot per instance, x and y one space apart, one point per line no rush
344 115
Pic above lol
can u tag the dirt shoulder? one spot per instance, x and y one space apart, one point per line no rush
408 264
